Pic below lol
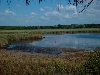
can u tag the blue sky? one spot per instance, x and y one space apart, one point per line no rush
17 13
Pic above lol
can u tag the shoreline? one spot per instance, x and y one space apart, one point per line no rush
17 35
48 50
20 35
14 53
5 39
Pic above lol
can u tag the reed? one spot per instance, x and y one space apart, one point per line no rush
6 38
3 42
91 66
16 62
21 63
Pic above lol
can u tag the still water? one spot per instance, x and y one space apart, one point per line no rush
87 41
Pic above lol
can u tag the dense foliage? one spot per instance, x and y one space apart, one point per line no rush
72 26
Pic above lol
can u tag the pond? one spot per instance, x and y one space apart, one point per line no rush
82 41
86 41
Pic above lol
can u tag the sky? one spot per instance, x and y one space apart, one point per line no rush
48 12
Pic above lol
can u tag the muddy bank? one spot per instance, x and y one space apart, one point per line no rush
17 53
45 50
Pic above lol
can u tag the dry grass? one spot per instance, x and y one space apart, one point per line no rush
23 63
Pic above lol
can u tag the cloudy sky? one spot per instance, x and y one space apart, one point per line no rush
17 13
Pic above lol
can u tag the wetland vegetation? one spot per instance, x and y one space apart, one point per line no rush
69 62
16 62
6 38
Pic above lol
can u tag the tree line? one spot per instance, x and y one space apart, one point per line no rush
59 26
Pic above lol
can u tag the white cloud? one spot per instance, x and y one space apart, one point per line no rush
93 11
41 9
51 16
33 14
28 19
65 12
49 8
44 18
67 8
8 12
53 13
61 14
67 16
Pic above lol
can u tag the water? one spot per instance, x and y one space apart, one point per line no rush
87 41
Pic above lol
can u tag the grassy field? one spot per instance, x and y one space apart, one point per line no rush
84 30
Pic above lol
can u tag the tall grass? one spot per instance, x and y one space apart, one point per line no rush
6 38
23 63
3 42
91 66
30 64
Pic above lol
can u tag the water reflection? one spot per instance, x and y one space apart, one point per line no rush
82 41
77 41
